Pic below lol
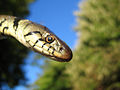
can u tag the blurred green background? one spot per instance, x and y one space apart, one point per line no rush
96 60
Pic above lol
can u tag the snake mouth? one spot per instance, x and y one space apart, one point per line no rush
66 57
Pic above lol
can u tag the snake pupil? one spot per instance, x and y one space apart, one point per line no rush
49 39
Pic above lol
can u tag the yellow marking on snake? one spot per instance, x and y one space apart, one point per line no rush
35 36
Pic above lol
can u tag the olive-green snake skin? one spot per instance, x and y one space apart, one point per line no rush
35 36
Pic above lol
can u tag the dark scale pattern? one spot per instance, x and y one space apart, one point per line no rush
2 22
53 51
44 44
38 41
33 32
5 28
16 21
49 48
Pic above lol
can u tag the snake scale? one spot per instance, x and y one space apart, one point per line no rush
36 37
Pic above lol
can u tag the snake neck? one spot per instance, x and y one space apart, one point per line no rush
13 26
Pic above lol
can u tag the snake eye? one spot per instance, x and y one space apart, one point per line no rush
49 39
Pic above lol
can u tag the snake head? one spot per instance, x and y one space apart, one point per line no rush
59 49
43 41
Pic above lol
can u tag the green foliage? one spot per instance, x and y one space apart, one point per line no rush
54 77
15 7
96 62
12 53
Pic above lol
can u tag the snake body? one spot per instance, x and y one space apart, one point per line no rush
35 36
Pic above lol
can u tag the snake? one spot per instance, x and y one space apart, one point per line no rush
35 37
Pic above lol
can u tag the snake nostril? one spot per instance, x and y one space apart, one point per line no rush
61 48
